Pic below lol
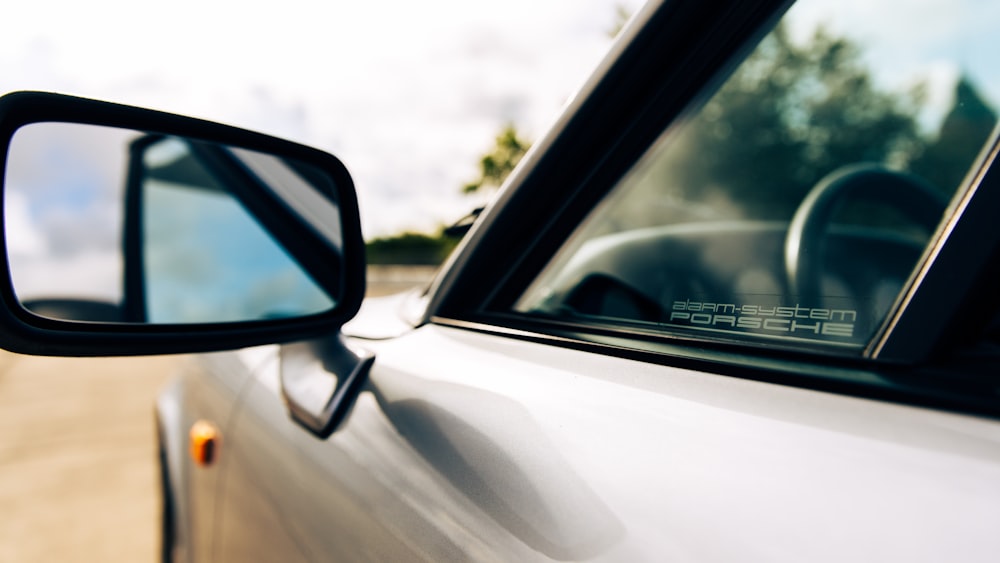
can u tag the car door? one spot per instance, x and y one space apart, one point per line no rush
538 455
702 350
205 393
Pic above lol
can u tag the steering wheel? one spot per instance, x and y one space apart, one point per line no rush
913 196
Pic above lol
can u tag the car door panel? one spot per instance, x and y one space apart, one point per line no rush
497 449
207 390
275 506
376 486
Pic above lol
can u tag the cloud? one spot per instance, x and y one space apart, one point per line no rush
63 211
23 236
69 183
87 275
407 94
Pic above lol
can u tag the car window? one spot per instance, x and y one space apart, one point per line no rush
793 202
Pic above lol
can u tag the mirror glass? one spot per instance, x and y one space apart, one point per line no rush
115 225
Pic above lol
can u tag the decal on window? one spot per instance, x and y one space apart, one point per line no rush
792 321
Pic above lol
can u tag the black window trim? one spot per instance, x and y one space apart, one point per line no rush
952 293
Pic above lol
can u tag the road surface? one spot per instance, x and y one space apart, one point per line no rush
77 458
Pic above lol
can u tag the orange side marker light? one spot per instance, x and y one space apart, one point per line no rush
204 443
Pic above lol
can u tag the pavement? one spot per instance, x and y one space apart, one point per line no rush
78 477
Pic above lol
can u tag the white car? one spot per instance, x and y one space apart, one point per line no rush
737 305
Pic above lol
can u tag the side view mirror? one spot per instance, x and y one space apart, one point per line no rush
130 231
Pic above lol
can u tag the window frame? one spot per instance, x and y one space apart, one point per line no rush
618 113
500 257
950 297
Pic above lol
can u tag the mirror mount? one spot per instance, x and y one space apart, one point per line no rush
319 380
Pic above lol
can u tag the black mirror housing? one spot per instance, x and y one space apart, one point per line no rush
331 258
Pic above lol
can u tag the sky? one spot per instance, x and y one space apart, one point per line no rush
407 94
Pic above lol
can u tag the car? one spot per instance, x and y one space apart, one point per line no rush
738 304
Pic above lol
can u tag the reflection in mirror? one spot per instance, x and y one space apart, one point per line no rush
107 224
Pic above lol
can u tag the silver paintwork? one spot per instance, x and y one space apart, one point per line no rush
467 446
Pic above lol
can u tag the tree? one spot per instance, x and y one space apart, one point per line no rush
410 249
496 165
788 116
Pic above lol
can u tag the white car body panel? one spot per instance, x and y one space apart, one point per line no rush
473 446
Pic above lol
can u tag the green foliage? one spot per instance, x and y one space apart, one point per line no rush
495 166
791 114
622 15
787 117
410 249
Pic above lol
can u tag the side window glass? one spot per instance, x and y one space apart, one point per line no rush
793 204
205 258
